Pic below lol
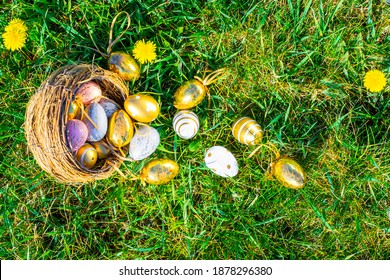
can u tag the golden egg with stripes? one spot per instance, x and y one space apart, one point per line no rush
87 156
186 124
247 131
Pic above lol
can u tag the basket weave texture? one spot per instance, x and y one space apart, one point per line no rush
46 117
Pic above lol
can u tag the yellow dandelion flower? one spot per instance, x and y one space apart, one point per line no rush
144 52
374 80
14 37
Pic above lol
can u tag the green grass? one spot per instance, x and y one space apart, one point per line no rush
294 66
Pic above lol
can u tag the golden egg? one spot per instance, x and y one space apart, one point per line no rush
102 149
247 131
120 129
289 173
87 156
142 108
74 111
159 171
124 65
189 94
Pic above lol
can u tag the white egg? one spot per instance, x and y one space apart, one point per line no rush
186 124
221 161
144 142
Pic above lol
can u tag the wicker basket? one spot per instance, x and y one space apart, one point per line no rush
46 115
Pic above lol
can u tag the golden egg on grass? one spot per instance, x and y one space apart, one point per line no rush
159 171
142 108
192 92
120 129
289 173
247 131
87 156
124 65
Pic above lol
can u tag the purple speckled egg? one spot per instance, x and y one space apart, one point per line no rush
76 133
89 92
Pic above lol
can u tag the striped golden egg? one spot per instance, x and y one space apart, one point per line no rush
159 171
247 131
142 108
124 65
120 129
186 124
102 149
87 156
289 173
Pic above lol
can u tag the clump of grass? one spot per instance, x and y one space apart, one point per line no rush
294 66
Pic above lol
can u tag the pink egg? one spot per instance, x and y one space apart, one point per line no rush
89 92
76 133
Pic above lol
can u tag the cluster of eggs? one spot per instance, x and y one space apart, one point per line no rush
98 127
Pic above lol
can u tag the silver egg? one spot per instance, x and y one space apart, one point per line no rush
186 124
144 142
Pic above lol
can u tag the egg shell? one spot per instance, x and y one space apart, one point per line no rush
102 150
221 161
247 131
186 124
144 142
189 95
120 129
289 173
98 116
87 156
76 133
109 106
124 65
89 92
143 108
159 171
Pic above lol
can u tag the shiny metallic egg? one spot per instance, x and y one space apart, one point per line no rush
124 65
120 129
289 173
247 131
159 171
74 111
189 94
87 156
102 149
142 108
186 124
